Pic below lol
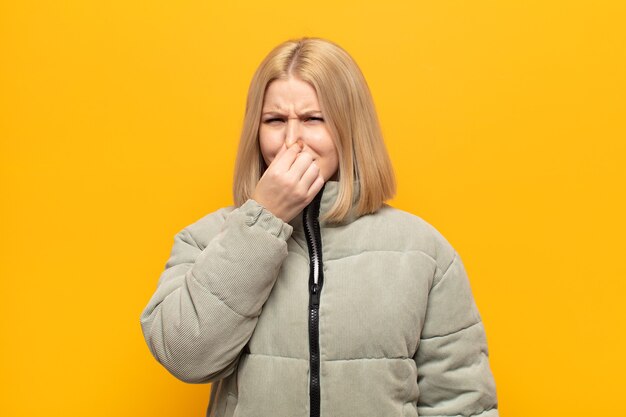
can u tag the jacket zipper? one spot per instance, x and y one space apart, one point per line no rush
310 220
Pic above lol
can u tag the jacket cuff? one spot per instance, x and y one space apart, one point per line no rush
257 215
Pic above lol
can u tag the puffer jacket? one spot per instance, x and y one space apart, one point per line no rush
371 318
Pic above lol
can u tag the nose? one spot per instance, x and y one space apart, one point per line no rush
293 131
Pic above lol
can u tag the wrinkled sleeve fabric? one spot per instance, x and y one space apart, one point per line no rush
454 374
208 300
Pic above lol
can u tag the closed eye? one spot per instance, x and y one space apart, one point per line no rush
278 119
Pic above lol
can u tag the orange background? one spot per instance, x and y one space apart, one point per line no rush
119 124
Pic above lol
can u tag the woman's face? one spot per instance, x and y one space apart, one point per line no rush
291 112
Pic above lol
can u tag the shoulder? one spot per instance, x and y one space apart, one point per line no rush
202 230
409 231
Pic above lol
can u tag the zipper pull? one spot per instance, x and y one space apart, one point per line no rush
315 295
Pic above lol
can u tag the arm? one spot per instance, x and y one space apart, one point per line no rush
454 375
208 301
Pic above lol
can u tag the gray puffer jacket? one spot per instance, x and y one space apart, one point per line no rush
371 318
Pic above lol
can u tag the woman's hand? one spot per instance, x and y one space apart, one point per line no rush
289 183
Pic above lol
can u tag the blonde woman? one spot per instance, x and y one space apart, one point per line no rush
311 296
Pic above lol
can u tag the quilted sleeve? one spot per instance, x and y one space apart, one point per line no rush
454 375
207 301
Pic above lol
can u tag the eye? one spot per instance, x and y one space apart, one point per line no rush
278 119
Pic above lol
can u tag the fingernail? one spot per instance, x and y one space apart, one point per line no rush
300 143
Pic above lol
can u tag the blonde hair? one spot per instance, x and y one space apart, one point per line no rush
348 110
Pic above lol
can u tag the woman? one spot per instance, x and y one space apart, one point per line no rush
311 296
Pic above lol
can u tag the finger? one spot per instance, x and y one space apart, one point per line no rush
285 158
316 187
303 161
312 173
294 146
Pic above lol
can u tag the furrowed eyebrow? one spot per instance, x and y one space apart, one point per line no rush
307 113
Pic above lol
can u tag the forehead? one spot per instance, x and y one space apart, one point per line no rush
291 93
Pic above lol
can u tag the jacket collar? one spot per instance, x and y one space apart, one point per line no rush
327 196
